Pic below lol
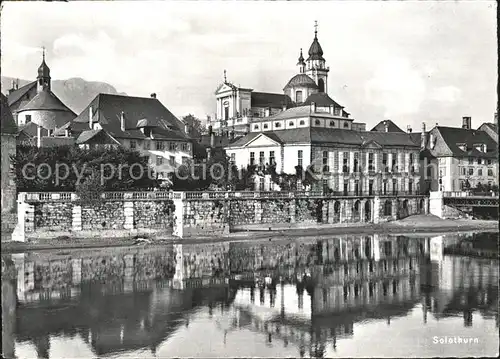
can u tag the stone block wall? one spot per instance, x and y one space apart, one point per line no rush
153 214
242 212
205 217
53 216
308 210
276 211
106 215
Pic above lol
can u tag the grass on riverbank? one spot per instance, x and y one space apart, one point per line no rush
414 225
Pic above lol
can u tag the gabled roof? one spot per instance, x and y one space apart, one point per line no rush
453 136
29 129
267 99
8 125
107 109
321 135
491 126
14 96
392 127
321 99
45 100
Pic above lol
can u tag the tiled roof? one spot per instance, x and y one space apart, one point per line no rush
57 141
380 127
8 125
266 99
321 99
315 51
45 100
87 135
301 80
29 129
320 135
300 111
417 137
493 126
453 136
14 96
107 111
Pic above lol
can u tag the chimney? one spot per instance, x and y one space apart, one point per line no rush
423 137
331 109
283 107
153 95
466 123
313 107
268 112
91 118
495 118
386 126
408 129
122 121
186 128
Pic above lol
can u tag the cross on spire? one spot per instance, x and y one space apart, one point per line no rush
225 78
315 28
43 53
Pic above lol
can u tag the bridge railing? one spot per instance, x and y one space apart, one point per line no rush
455 194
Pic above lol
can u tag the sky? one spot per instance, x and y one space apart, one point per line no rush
411 62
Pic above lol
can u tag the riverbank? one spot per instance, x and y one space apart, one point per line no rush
421 225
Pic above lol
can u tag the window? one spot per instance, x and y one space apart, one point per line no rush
332 123
277 124
325 162
159 160
479 161
356 161
317 122
463 171
480 172
346 124
160 146
302 122
147 145
233 158
471 160
255 127
394 186
28 118
370 187
172 160
471 171
394 167
356 188
300 153
429 171
261 158
298 96
387 208
410 186
252 158
384 162
291 123
489 162
172 146
371 167
272 159
462 146
133 144
345 164
261 183
411 159
266 126
490 172
185 147
346 188
385 187
146 158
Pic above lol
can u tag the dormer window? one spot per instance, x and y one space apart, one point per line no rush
332 123
255 127
481 147
317 122
277 124
462 146
291 123
265 126
302 123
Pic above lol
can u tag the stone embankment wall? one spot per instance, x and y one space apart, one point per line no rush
207 213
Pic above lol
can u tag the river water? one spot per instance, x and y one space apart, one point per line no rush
346 296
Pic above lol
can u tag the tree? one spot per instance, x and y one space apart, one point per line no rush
196 128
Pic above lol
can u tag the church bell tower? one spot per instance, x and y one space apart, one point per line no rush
316 64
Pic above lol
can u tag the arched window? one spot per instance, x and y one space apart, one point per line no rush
332 123
302 123
321 85
298 96
387 208
277 124
256 127
346 124
291 123
265 126
317 122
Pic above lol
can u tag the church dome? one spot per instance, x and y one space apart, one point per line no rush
315 51
43 70
301 80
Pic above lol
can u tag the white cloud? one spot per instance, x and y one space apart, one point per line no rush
397 87
449 94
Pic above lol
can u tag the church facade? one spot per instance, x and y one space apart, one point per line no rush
309 129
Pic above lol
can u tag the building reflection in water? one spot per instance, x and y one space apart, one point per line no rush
309 295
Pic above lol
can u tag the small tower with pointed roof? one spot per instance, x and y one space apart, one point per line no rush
301 64
43 78
316 64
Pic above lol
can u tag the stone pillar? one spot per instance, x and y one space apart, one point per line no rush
436 204
394 208
325 209
342 216
19 231
362 204
76 269
426 205
179 200
376 210
128 210
76 223
331 210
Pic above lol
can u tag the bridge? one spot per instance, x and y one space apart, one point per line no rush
449 204
467 199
